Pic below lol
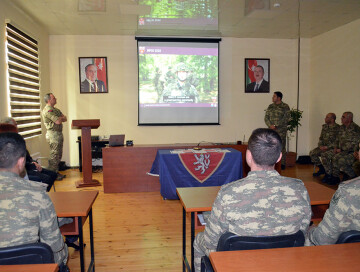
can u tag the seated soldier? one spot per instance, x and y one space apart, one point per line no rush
342 215
263 203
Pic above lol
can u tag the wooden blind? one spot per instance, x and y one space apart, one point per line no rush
23 81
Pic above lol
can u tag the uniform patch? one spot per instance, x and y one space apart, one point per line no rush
201 165
50 110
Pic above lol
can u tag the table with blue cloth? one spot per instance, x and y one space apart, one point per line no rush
195 168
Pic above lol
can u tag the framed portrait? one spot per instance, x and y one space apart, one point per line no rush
93 75
257 75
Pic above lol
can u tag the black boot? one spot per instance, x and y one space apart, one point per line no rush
325 178
333 180
320 172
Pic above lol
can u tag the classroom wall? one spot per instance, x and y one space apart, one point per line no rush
240 113
10 13
335 70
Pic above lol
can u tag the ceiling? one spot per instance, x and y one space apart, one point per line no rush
228 18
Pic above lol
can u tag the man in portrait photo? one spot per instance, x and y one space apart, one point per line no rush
92 84
260 85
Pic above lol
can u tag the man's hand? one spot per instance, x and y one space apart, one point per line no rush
337 150
273 127
60 120
38 166
323 148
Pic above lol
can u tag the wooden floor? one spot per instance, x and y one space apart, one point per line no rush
139 231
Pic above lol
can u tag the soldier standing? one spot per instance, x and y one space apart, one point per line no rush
342 156
277 117
181 87
254 206
328 140
53 119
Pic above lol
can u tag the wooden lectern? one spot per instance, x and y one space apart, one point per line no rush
86 126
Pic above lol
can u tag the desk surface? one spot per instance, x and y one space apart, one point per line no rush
71 204
200 199
29 268
344 257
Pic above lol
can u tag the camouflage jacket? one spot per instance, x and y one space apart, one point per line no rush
278 115
342 215
329 136
27 215
50 116
349 138
263 203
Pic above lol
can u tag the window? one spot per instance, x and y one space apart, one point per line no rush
23 81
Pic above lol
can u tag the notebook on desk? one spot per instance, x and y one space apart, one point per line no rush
117 140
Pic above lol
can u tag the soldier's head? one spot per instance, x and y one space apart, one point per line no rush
91 72
277 97
50 99
8 124
12 152
264 149
330 118
347 118
182 71
9 120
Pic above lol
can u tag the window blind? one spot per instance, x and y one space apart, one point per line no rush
23 81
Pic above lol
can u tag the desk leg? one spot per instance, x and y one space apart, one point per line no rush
184 261
192 240
92 263
81 244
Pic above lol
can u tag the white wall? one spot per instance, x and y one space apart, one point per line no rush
335 71
240 113
9 13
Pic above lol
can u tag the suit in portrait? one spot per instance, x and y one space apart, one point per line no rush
85 87
263 88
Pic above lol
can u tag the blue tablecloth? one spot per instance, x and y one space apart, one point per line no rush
190 169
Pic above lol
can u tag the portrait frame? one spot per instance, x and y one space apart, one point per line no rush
250 81
90 83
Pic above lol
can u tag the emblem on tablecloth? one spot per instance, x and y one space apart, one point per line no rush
201 165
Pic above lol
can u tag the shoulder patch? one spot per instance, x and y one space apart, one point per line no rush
50 110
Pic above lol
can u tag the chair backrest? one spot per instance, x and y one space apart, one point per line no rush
351 236
230 241
36 253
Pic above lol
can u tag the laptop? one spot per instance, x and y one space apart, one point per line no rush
117 140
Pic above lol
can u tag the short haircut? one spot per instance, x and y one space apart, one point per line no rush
47 97
12 147
279 94
349 114
265 146
333 115
262 68
9 120
87 66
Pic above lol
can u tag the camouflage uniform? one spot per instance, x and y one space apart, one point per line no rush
342 215
348 143
328 137
27 215
54 136
263 203
279 116
356 168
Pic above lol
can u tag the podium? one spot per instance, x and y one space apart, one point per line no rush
86 126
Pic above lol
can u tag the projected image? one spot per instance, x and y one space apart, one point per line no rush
191 14
177 78
178 82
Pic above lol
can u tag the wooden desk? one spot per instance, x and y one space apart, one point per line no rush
201 199
125 168
344 257
29 268
79 206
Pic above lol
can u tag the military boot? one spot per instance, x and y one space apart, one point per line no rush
320 172
325 178
333 180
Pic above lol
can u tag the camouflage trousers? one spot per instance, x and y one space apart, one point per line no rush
199 251
55 140
315 155
283 147
334 163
